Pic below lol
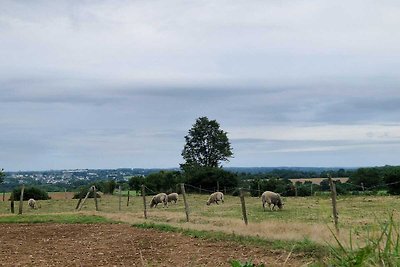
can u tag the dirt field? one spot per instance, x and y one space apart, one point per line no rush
121 245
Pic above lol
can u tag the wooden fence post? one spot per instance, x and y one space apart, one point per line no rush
79 202
95 198
259 189
87 195
65 193
12 202
120 198
334 208
144 202
217 186
4 196
243 207
184 200
127 202
200 190
21 199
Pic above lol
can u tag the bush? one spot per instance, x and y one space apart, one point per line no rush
107 187
208 177
392 179
82 193
31 192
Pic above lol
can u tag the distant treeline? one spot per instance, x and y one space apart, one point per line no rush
295 173
373 179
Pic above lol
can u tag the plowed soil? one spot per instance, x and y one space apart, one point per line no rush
121 245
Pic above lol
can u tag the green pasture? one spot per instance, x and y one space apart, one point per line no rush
355 212
302 226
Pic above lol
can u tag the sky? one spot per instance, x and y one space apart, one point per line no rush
112 84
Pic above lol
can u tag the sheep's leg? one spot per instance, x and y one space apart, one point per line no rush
216 201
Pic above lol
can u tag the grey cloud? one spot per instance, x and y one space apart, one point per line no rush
80 79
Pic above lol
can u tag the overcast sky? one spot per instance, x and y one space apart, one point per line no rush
108 84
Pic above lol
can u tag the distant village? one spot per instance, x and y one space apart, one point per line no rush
71 177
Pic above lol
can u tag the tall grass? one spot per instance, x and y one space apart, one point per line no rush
379 249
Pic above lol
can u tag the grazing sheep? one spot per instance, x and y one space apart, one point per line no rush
173 197
215 197
159 198
32 203
271 198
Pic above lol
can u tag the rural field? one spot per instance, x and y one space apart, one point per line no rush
297 235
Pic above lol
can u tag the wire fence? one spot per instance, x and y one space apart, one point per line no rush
257 192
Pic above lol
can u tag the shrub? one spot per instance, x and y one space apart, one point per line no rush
31 192
82 193
107 187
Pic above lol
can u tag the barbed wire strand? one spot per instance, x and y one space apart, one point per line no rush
250 190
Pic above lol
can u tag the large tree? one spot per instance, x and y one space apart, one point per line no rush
206 145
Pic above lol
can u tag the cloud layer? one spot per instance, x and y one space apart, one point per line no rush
95 84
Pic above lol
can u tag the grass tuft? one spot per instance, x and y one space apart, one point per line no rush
381 249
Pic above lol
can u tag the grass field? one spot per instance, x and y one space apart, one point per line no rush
307 218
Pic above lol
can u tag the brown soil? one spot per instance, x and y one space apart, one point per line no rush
122 245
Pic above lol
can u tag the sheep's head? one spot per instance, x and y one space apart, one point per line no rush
208 203
152 203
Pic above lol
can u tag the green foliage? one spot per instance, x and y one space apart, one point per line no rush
343 188
83 191
236 263
367 178
281 186
392 179
207 178
306 189
107 187
380 250
31 192
206 145
163 181
135 182
2 175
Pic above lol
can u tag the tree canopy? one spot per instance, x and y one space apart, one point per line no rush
206 145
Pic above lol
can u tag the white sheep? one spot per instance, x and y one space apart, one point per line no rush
159 198
32 203
173 197
273 198
215 197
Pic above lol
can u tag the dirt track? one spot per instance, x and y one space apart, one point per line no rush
120 245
